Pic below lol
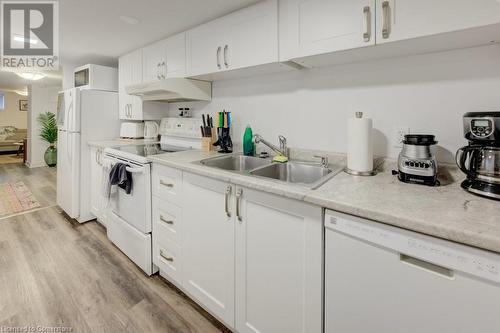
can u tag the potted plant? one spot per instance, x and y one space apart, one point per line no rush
48 133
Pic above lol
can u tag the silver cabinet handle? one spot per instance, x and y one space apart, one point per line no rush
239 192
386 19
163 219
166 257
158 71
164 69
218 57
226 63
226 200
368 24
169 185
130 110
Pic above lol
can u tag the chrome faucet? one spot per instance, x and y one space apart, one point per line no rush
282 149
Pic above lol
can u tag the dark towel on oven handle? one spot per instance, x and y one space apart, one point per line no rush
121 177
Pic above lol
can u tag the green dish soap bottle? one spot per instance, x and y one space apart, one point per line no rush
248 144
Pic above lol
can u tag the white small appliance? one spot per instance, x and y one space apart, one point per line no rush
132 130
83 115
96 77
397 280
151 130
130 215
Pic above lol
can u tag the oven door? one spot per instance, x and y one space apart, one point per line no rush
133 208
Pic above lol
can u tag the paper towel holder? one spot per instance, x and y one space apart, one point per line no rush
360 173
359 115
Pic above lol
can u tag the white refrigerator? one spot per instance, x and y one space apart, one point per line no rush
83 115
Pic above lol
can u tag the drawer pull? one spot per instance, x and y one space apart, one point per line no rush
226 200
386 26
166 221
367 24
164 183
166 257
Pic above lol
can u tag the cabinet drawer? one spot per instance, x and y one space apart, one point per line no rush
166 221
167 183
168 259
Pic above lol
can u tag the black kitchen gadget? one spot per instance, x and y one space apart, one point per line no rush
416 163
480 159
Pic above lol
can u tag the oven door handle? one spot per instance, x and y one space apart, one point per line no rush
135 170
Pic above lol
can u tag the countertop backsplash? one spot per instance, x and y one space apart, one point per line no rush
426 93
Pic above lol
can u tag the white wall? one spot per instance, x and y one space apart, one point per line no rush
11 116
427 93
41 99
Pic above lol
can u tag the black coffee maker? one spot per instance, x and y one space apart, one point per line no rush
480 160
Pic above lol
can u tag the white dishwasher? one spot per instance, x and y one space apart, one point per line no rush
383 279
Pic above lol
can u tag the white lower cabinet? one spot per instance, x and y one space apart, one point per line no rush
278 264
208 245
167 226
97 174
252 259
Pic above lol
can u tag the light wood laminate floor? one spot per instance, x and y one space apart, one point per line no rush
56 272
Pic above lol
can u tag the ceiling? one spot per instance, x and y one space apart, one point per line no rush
91 31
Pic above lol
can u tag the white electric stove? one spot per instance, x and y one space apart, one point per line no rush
130 223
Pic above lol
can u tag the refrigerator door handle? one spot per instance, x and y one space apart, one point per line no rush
68 148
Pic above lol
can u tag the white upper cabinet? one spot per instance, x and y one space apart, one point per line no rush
252 36
166 58
245 38
176 56
154 61
129 72
311 27
204 48
405 19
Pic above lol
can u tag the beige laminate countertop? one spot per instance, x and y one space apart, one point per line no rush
446 211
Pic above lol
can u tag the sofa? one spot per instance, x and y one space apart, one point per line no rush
10 135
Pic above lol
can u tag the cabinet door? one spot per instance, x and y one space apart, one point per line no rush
252 36
312 27
176 56
208 245
153 61
130 72
95 179
124 76
97 174
404 19
278 264
204 47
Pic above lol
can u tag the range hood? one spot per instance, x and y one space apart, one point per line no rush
172 90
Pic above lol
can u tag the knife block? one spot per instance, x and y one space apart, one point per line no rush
207 143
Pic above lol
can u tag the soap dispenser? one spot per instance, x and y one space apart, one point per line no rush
248 144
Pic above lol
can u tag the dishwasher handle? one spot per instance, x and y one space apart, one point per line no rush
427 266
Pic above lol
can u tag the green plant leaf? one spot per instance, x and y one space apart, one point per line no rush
48 130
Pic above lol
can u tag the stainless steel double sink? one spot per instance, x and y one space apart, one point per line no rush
308 174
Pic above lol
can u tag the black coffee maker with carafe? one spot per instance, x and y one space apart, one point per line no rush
480 160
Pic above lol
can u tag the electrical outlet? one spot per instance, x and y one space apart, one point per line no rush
399 136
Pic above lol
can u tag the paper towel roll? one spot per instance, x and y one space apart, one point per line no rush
360 144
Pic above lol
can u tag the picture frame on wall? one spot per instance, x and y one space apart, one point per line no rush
23 105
